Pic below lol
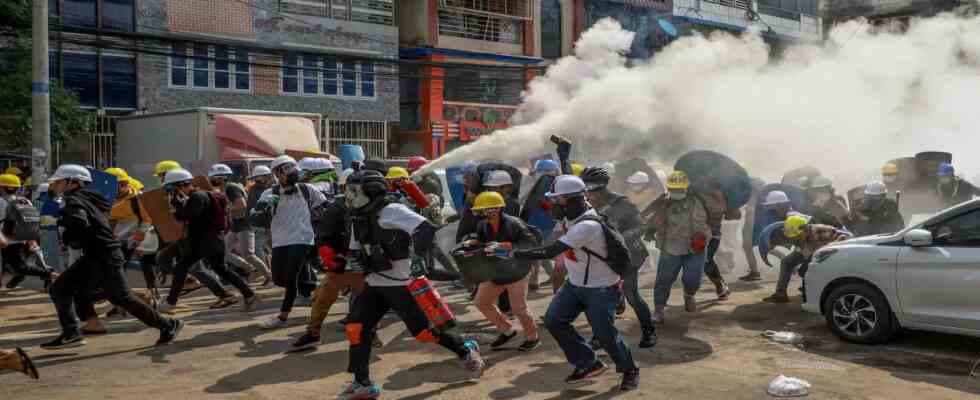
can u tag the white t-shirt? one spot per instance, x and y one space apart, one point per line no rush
395 216
291 223
587 234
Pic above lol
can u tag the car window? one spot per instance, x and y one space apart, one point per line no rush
961 230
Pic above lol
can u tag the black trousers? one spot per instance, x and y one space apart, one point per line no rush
710 266
370 306
76 285
212 250
287 264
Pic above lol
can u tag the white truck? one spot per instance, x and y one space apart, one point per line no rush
200 137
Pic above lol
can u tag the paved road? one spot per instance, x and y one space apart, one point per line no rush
717 353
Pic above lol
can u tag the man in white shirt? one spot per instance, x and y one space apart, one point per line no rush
592 287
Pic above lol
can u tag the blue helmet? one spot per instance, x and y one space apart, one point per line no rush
546 165
945 169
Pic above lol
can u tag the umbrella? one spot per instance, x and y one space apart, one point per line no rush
797 198
793 177
766 238
709 170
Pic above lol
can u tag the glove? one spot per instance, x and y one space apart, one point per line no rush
327 257
499 249
699 243
139 236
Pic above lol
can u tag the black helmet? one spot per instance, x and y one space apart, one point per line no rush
376 164
595 178
373 184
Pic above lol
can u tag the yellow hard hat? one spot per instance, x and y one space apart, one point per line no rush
889 169
396 173
678 180
119 173
13 171
577 169
794 226
9 180
488 200
165 166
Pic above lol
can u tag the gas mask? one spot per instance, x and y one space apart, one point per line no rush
573 207
355 198
677 195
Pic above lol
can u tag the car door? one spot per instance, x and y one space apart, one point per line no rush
939 285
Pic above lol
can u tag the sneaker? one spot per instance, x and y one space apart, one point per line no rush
357 391
657 317
248 303
751 277
631 380
723 291
273 323
309 340
168 335
689 304
584 374
65 341
649 339
167 308
503 338
473 362
529 345
777 298
14 282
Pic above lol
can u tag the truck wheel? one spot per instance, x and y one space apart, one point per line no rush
858 313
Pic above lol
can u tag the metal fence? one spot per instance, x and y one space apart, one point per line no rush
372 136
102 142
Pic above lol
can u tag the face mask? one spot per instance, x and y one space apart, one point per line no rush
292 177
889 178
678 195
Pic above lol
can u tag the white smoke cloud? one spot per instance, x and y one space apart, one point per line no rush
847 105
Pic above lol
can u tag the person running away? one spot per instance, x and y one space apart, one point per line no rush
679 224
498 229
953 190
384 232
85 223
876 213
240 236
592 287
20 258
204 214
623 215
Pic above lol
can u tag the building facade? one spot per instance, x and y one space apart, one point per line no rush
464 66
336 58
888 14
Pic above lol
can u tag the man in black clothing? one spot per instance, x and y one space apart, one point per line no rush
876 213
205 226
85 221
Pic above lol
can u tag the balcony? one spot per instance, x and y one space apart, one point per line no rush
380 12
738 14
493 26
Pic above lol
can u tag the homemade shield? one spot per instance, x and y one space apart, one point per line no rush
477 267
709 170
766 240
537 210
104 183
457 188
801 176
157 204
797 199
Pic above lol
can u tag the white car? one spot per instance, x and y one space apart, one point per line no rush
925 277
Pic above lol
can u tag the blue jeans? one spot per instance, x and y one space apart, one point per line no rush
599 305
667 270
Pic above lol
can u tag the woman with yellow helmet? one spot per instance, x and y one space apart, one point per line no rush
808 238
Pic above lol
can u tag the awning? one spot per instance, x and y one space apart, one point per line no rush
257 136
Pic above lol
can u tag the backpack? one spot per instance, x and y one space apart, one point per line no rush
315 212
617 252
23 221
219 210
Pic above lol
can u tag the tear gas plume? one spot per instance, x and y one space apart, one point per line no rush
846 105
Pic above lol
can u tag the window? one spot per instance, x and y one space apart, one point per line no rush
82 76
80 13
551 29
483 86
480 27
962 230
106 14
313 75
117 15
118 81
210 67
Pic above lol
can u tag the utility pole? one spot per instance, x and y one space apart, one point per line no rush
40 96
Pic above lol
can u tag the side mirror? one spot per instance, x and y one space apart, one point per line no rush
918 238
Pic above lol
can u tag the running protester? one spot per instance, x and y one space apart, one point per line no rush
240 236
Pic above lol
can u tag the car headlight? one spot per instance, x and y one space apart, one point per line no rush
823 255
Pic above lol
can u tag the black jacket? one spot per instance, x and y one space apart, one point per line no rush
197 214
957 192
85 219
521 236
885 218
431 184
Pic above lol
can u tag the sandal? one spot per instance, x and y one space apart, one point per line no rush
225 302
26 365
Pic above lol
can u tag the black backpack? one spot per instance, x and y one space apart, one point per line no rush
617 252
23 221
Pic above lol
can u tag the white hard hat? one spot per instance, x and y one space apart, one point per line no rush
177 175
610 168
260 170
567 185
71 172
343 176
875 189
498 178
821 182
325 164
219 170
306 164
282 160
639 177
776 197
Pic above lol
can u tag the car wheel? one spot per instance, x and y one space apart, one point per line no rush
858 313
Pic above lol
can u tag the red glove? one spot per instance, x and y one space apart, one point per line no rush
699 243
327 255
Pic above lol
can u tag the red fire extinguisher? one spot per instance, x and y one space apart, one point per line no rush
431 303
413 192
